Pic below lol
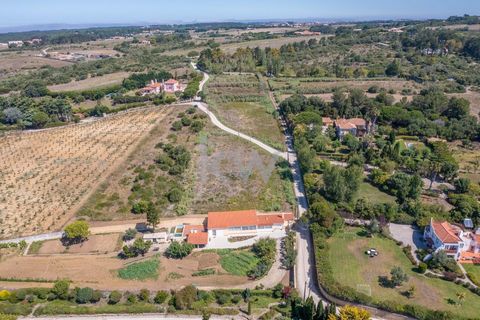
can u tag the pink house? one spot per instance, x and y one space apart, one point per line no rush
171 86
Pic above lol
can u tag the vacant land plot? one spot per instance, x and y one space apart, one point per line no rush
352 267
102 243
242 102
13 62
233 174
46 175
272 43
90 83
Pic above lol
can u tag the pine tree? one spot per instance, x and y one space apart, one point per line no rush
320 313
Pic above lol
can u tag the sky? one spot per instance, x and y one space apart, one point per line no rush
38 12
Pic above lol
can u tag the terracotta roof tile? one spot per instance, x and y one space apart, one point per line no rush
187 229
445 232
223 220
197 238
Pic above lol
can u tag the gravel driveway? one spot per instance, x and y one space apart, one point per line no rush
408 234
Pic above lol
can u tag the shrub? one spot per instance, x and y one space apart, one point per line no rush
236 299
129 234
96 296
177 126
114 297
60 289
204 272
84 295
178 250
161 297
4 295
131 298
175 195
422 267
223 296
144 295
185 297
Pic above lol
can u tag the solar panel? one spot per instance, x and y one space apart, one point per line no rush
468 223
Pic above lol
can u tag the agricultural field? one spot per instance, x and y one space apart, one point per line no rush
353 268
46 175
237 262
91 82
242 102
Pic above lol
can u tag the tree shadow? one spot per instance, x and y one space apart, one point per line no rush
363 233
385 282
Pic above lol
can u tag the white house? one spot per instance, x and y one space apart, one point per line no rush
457 243
246 223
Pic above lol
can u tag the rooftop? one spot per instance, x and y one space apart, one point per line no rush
446 232
228 219
198 238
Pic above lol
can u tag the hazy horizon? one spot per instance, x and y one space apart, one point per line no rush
123 12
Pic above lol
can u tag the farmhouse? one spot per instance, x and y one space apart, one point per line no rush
246 223
219 227
357 127
457 243
155 87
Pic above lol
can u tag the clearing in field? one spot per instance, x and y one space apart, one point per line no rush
46 175
91 82
373 194
353 268
11 62
242 102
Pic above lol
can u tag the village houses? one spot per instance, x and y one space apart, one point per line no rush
169 86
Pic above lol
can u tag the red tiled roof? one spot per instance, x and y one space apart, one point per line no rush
357 121
198 238
171 81
188 229
327 121
344 124
222 220
445 232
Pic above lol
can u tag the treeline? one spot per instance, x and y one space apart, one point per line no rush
24 112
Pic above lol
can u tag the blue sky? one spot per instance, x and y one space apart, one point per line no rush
31 12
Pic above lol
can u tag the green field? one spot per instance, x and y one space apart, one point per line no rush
473 269
353 268
140 270
237 262
373 195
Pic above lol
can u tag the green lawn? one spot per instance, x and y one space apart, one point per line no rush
373 194
352 267
140 270
237 262
473 269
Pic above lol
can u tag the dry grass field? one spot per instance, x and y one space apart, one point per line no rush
90 83
272 43
13 62
101 243
46 175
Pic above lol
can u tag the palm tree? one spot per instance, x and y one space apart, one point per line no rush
460 296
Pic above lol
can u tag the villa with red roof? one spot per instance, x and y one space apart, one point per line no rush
169 86
219 227
357 127
457 243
